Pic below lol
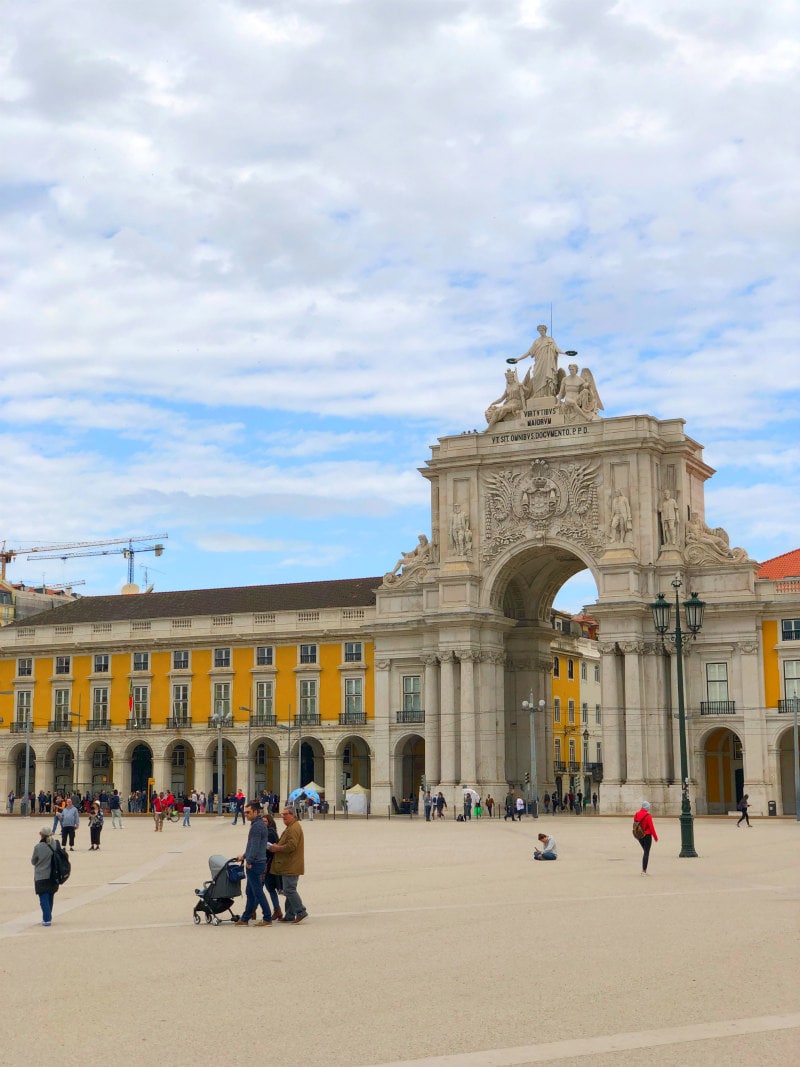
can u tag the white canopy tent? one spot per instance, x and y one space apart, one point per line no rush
357 800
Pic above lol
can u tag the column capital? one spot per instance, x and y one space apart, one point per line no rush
631 648
382 664
430 660
607 648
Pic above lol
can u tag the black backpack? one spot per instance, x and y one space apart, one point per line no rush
60 866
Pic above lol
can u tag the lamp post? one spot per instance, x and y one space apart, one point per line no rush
796 763
529 706
694 608
220 718
249 734
288 730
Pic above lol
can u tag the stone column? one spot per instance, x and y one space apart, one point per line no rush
333 780
161 772
242 761
381 766
433 724
448 732
500 724
634 711
613 738
486 722
469 762
202 774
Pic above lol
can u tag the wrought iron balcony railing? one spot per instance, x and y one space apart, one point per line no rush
352 718
789 706
411 716
137 724
717 707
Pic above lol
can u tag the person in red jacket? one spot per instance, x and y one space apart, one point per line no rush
645 819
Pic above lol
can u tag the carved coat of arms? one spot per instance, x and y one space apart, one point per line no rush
530 503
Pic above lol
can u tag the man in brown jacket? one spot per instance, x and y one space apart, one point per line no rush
289 863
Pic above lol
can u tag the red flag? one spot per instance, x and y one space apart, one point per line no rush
130 696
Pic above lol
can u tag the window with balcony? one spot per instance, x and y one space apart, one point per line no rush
61 707
265 656
180 659
717 691
180 704
222 698
100 704
308 654
140 709
352 652
222 658
141 661
557 749
412 692
572 750
25 667
790 629
265 702
353 697
308 699
63 664
23 709
791 685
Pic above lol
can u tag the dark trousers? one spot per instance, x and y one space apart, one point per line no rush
256 896
67 833
745 817
646 842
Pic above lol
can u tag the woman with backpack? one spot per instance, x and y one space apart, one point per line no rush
645 832
43 885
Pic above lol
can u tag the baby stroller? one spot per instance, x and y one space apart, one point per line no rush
219 894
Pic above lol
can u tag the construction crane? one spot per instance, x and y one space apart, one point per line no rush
7 555
50 586
131 548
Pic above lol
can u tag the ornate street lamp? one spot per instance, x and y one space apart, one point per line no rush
528 705
693 608
220 718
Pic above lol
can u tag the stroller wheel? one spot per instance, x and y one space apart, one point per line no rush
196 919
209 918
235 918
215 920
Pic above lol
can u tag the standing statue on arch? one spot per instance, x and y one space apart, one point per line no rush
542 378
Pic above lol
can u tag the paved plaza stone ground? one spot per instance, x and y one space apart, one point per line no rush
432 945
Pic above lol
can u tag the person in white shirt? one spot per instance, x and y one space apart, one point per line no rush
549 849
520 803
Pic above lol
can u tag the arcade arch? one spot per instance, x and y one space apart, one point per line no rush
724 771
786 776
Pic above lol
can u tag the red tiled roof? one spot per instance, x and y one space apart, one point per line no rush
785 566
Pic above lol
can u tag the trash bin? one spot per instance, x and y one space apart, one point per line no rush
772 807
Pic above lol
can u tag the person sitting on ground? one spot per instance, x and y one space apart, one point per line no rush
549 849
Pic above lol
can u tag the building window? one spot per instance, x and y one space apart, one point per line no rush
353 702
583 671
264 698
141 702
585 752
791 678
179 756
63 664
790 629
571 669
100 704
308 653
556 667
180 703
571 711
572 750
141 661
412 692
180 659
597 713
102 663
24 705
222 698
597 672
717 681
557 749
308 697
584 713
61 706
222 657
599 748
352 652
25 667
264 656
556 709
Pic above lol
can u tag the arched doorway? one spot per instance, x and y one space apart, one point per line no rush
63 769
786 770
724 771
228 785
20 775
312 762
410 767
141 768
356 765
181 759
101 761
267 766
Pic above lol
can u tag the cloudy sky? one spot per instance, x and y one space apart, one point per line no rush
256 256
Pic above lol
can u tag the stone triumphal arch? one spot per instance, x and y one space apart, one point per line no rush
548 489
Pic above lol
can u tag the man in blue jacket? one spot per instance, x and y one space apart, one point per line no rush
70 821
255 861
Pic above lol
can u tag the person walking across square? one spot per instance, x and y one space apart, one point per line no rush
289 863
645 821
255 863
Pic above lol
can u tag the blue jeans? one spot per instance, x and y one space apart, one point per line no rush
46 904
545 856
186 816
255 893
294 905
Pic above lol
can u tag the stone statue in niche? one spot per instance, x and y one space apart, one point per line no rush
412 566
460 533
510 404
704 545
621 519
578 394
670 518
